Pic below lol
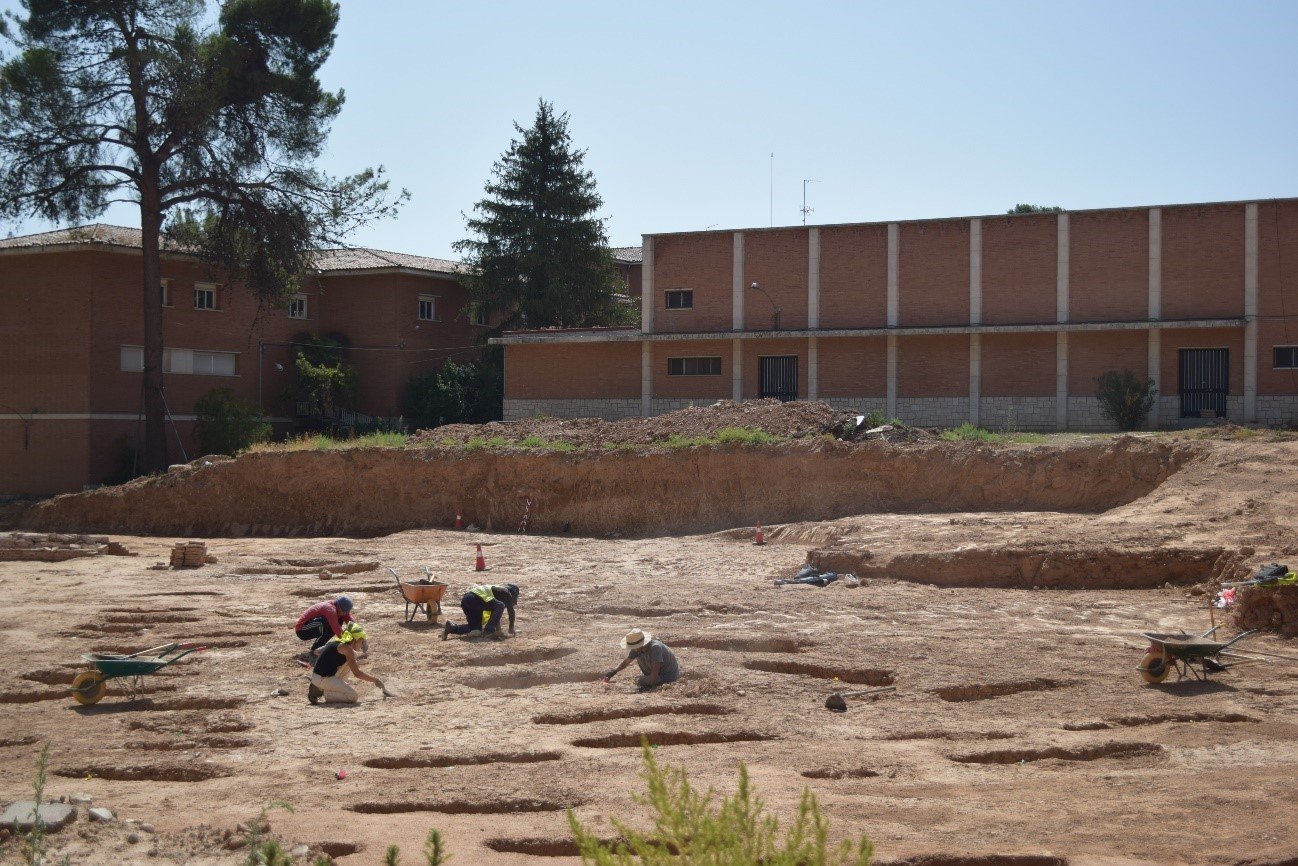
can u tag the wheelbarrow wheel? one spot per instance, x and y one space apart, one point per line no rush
88 687
1154 668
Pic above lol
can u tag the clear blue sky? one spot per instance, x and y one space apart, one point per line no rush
899 110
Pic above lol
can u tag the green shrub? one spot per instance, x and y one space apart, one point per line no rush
690 827
227 425
1125 399
967 432
532 442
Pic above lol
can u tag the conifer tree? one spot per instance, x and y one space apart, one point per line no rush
538 255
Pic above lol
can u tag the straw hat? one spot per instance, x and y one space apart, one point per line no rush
636 638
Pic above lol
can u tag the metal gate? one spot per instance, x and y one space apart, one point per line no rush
1205 382
780 377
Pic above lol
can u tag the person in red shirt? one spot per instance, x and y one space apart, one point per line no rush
323 621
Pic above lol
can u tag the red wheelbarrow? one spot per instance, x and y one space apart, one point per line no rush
425 595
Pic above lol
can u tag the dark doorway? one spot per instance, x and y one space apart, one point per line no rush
780 377
1205 382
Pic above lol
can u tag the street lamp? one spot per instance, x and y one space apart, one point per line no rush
774 306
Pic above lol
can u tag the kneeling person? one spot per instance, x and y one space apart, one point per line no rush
657 662
336 658
483 607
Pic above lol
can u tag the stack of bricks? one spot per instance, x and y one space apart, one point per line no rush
190 554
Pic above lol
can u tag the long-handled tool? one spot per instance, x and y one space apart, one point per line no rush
838 700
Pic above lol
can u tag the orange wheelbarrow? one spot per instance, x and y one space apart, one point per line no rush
425 595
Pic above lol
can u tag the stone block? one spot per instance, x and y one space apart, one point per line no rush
55 816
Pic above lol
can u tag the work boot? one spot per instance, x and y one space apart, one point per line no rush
446 629
314 693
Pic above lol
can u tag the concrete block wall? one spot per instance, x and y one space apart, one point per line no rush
859 405
1017 413
933 411
1277 410
610 409
663 405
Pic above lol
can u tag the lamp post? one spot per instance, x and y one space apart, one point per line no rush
755 287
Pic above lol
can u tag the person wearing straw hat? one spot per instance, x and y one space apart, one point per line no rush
657 662
335 660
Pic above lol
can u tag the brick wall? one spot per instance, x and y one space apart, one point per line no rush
1203 262
933 275
933 367
690 387
700 262
854 277
1019 269
853 366
573 371
1109 266
1091 353
1018 365
777 261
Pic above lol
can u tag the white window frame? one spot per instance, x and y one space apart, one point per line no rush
216 297
181 362
432 308
305 306
1284 346
165 289
683 292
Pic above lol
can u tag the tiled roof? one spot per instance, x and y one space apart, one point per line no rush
628 255
354 259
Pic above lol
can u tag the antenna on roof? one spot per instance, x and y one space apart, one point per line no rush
806 210
772 190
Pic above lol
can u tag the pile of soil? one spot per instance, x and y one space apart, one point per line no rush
1274 608
796 420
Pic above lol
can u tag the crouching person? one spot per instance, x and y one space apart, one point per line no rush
336 658
657 662
483 607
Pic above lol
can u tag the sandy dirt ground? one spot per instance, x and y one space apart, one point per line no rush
1019 726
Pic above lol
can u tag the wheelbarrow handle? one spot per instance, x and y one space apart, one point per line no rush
877 691
164 648
1239 637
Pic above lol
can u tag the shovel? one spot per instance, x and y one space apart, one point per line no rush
838 703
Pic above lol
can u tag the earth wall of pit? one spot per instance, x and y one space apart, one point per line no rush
375 491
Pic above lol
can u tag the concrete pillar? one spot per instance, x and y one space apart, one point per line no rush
813 368
737 284
813 278
975 377
975 272
1250 312
736 370
892 377
1155 263
1061 269
894 270
646 376
1155 365
1061 380
647 285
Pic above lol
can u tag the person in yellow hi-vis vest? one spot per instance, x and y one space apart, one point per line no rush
483 606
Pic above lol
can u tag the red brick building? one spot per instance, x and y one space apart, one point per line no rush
71 325
1002 321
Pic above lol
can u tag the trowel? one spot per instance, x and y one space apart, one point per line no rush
838 700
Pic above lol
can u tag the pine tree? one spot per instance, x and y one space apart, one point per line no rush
539 256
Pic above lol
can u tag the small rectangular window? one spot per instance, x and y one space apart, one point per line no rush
164 289
297 308
427 308
478 316
1285 357
132 359
204 297
214 363
693 366
680 299
183 361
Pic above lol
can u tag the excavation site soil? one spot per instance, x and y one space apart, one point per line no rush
1004 589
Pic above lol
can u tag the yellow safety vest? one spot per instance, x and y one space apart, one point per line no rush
484 592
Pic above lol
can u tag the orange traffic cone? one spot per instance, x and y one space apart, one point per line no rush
459 521
760 538
480 564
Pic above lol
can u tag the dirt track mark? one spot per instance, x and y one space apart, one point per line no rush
987 691
31 697
146 773
822 672
669 738
1079 753
979 860
462 807
535 847
1136 721
185 592
94 629
173 704
421 761
526 680
839 773
10 742
948 735
524 657
184 724
742 645
326 589
146 613
188 744
145 618
586 716
339 849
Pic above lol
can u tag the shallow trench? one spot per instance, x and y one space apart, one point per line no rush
651 492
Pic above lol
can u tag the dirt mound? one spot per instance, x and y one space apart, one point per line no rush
797 420
1268 608
663 492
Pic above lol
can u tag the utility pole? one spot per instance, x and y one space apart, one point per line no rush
806 210
772 190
